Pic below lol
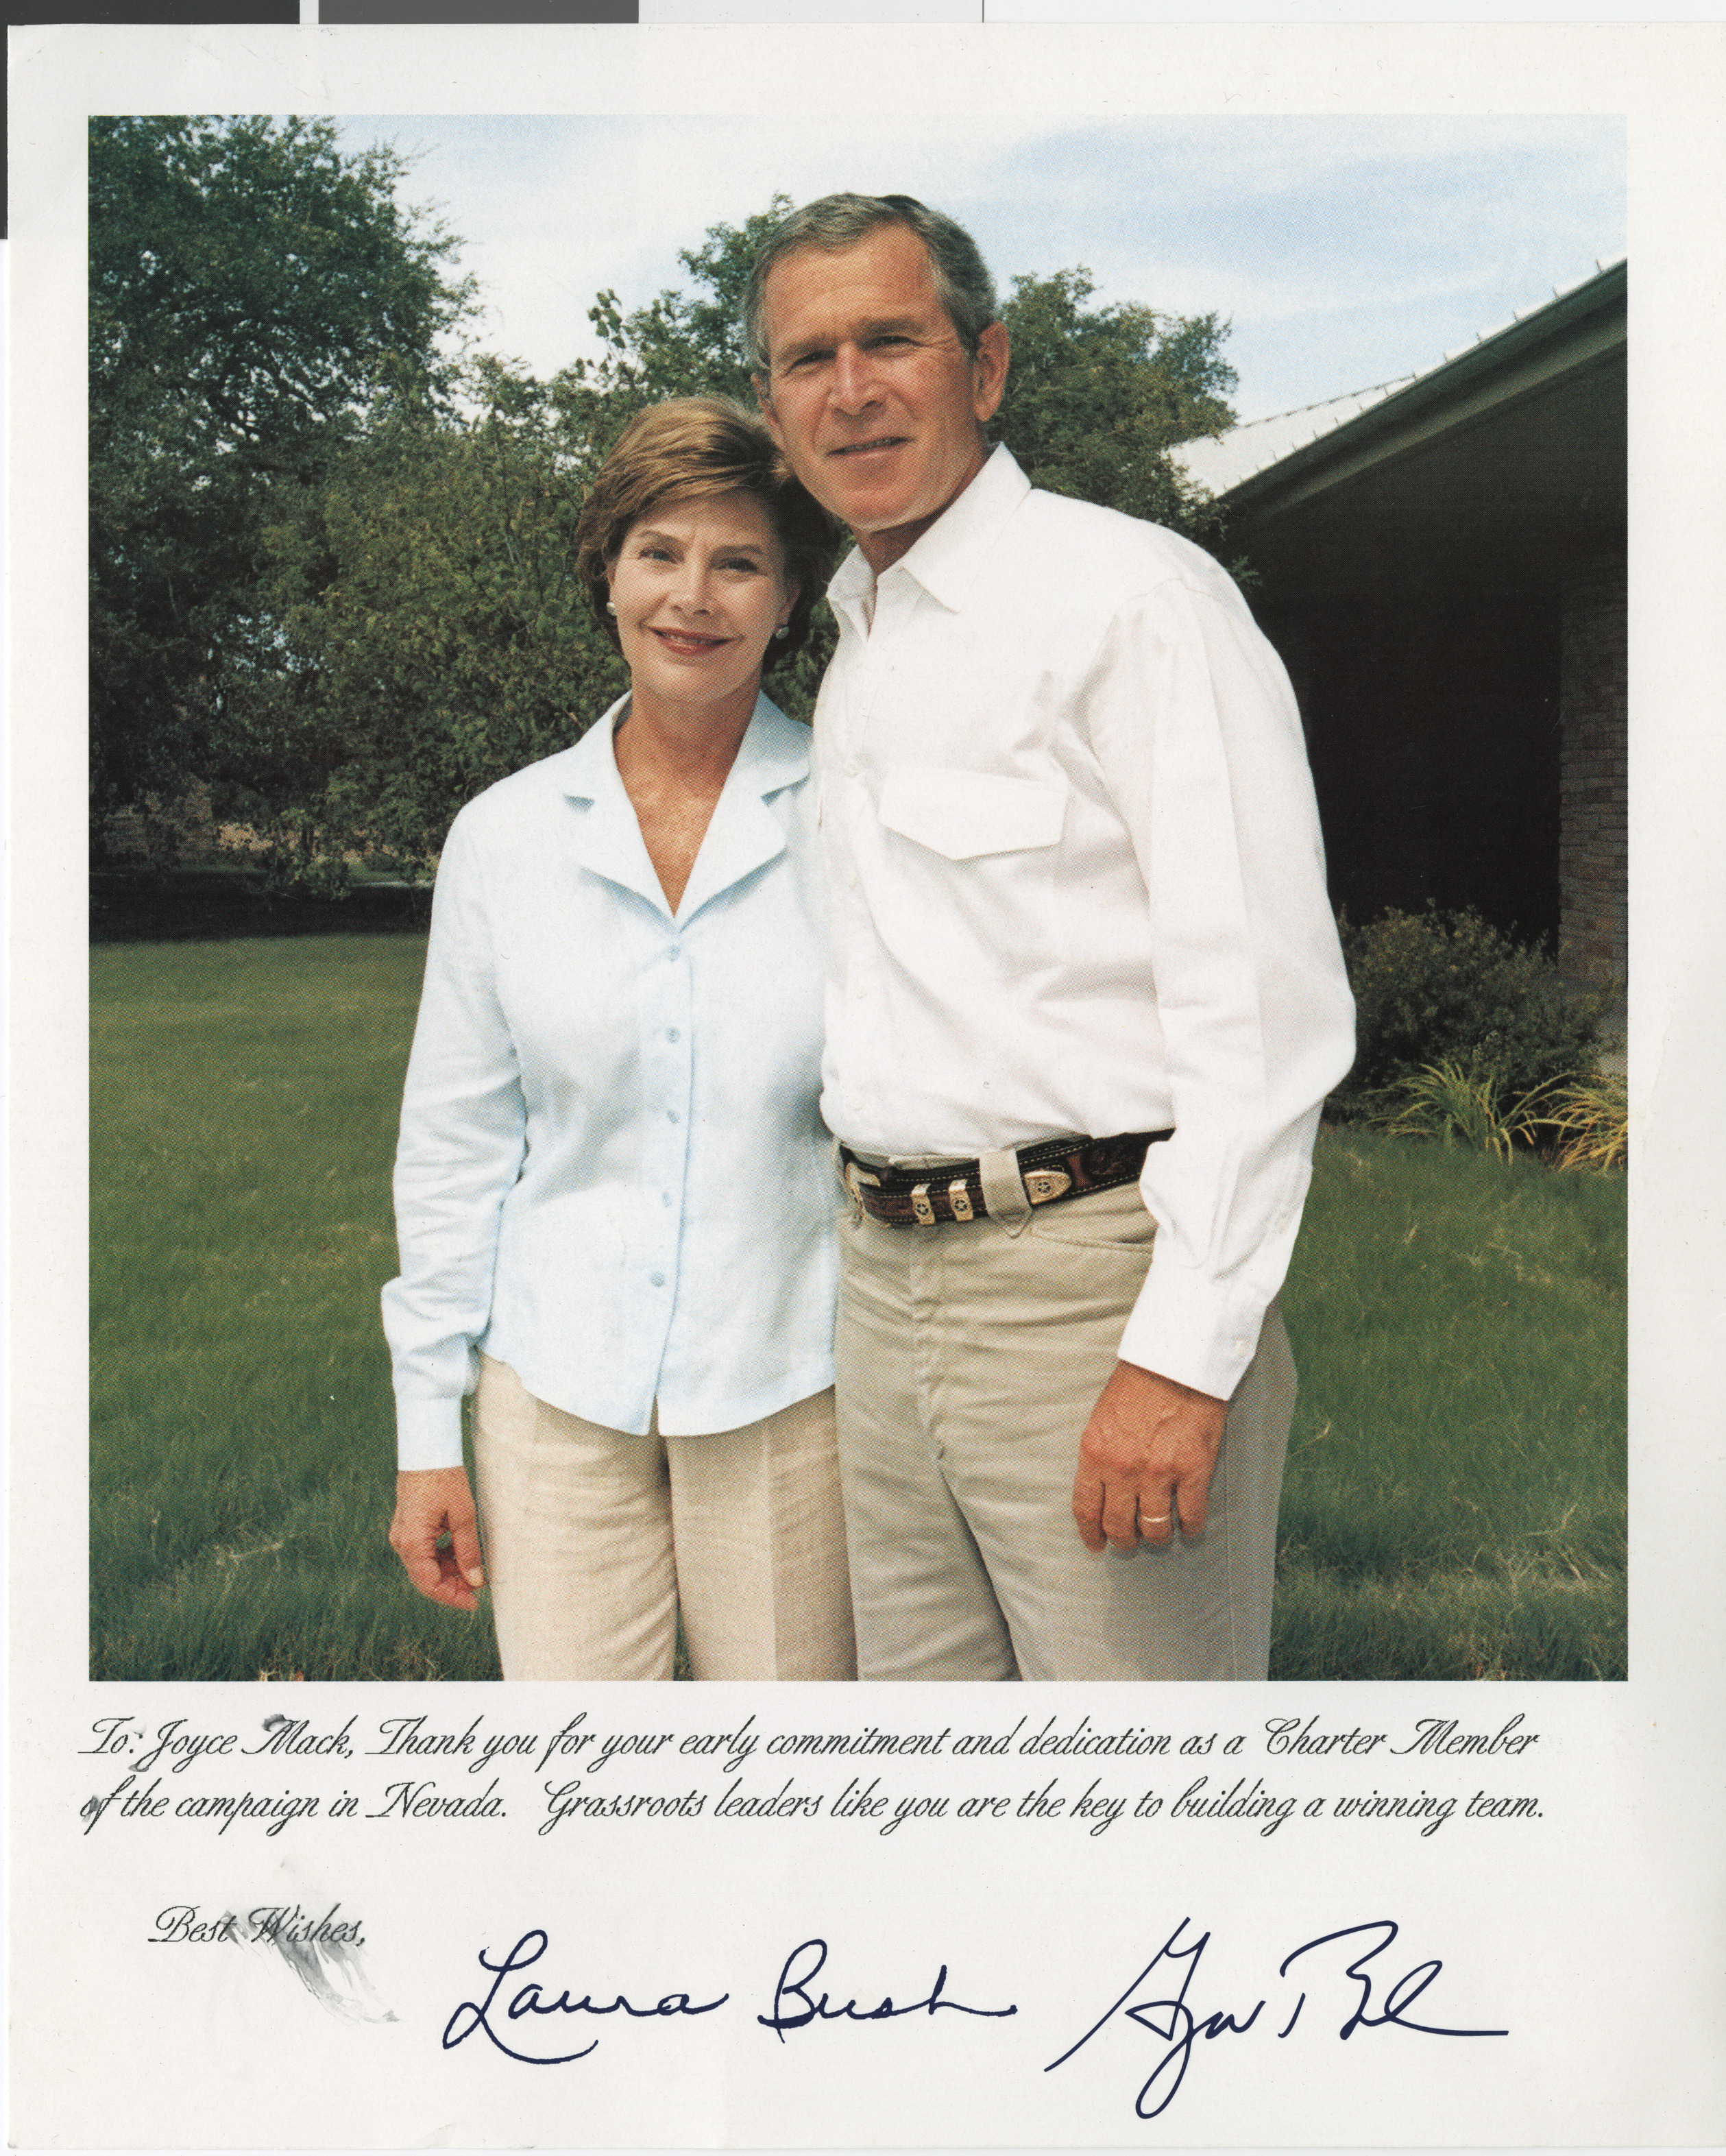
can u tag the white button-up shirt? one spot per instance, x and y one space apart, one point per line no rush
612 1175
1078 886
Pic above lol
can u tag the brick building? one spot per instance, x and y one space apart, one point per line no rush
1442 564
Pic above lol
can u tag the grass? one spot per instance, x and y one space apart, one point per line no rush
1454 1505
244 1102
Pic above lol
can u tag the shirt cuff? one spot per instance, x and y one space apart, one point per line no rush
427 1434
1186 1327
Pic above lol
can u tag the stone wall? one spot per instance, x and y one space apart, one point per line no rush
1594 946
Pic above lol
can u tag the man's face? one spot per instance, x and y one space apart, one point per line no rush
869 390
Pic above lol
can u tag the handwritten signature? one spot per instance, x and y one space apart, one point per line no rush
798 1974
1177 2026
1159 2002
530 2001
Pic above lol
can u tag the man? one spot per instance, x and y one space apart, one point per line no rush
1085 999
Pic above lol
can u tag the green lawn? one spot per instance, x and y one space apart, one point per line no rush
1454 1505
244 1104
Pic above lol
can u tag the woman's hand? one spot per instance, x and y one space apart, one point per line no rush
431 1502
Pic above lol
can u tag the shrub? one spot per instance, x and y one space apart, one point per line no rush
1591 1123
1436 988
1445 1101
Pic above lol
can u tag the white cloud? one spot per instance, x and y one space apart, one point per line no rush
1336 247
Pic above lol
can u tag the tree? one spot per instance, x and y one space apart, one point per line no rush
412 628
1097 398
256 296
680 344
427 634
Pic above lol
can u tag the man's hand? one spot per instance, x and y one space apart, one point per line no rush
431 1502
1149 1452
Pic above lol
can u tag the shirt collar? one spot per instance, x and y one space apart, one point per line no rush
949 557
774 753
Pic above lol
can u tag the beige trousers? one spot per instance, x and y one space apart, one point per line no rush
595 1540
968 1361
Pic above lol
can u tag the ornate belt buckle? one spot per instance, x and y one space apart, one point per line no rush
1041 1184
855 1177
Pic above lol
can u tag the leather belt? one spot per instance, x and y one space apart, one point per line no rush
1056 1168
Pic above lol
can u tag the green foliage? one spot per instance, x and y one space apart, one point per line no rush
1454 1505
1577 1125
1446 1101
334 573
1588 1125
256 297
1437 988
682 343
427 633
243 1099
1097 396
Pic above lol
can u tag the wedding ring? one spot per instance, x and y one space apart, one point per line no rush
1160 1520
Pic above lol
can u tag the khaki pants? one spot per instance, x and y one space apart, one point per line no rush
595 1540
968 1361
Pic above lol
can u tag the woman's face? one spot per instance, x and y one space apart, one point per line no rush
700 587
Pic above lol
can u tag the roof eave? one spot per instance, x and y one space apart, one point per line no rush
1589 320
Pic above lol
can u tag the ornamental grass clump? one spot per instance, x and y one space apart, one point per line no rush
1446 1101
1589 1124
1447 992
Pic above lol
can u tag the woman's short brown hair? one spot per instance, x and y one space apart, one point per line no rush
687 449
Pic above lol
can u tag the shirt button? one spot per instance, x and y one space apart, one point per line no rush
862 995
851 878
658 1279
851 768
672 1034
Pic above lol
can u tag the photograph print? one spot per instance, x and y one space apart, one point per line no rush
465 493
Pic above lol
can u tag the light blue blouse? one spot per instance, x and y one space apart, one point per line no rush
613 1173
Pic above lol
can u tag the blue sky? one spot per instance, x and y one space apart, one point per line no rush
1344 251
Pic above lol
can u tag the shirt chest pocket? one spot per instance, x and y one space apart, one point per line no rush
965 814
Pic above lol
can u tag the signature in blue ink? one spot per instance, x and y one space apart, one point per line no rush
1176 2025
529 2004
799 1973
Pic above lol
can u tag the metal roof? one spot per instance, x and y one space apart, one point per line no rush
1223 462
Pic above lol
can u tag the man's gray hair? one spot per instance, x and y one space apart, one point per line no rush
962 284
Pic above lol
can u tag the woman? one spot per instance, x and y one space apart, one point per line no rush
614 1189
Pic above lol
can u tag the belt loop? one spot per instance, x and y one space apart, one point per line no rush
1003 1190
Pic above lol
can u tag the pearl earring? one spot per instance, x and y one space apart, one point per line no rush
783 629
611 606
